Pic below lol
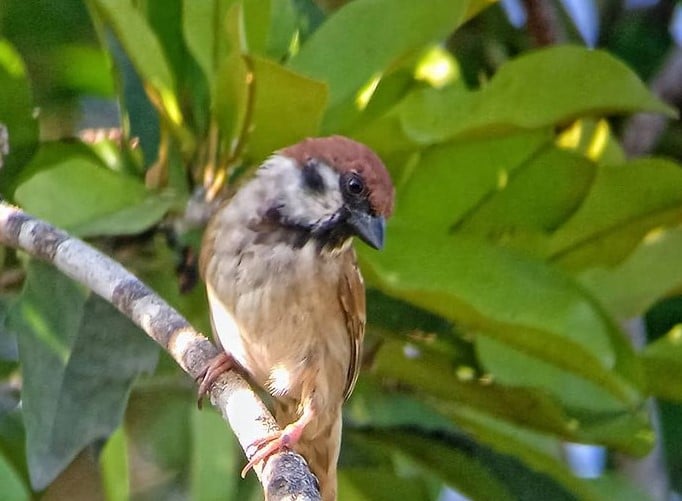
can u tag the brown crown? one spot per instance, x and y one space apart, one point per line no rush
346 155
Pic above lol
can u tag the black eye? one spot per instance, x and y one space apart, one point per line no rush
354 185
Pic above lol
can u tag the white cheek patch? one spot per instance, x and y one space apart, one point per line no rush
283 176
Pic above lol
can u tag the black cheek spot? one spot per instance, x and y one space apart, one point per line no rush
312 177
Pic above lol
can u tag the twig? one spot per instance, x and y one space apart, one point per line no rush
544 25
643 130
286 475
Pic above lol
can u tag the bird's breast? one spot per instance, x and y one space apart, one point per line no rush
276 310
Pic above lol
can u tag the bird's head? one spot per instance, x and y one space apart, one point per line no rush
329 189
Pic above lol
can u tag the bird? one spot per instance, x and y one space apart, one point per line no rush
285 294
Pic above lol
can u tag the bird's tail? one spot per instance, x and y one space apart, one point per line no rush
319 445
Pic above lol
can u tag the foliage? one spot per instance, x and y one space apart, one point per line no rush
522 239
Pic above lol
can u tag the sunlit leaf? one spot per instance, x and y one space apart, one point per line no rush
624 203
287 107
546 87
361 40
77 193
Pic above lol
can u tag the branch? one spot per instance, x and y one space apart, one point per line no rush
285 476
643 130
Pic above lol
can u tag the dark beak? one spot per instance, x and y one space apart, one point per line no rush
370 229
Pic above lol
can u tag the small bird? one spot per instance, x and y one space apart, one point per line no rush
286 296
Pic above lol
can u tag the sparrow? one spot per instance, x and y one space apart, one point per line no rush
286 297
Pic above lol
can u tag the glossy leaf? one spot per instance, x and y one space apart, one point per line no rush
486 289
546 87
361 40
287 107
651 271
77 352
77 193
450 181
624 203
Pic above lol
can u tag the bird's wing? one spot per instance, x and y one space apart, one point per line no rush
352 298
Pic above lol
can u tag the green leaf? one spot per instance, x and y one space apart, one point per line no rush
133 32
282 94
651 271
450 181
16 116
13 489
283 22
76 192
114 467
230 92
455 467
534 199
378 484
661 359
624 203
431 374
77 353
202 27
13 442
539 89
486 289
360 39
215 461
540 452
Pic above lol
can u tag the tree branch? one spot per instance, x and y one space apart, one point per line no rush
285 476
643 130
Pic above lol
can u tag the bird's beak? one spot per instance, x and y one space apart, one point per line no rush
370 229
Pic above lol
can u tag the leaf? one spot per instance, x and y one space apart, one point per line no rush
114 467
230 91
378 484
539 89
456 467
661 359
283 97
16 118
534 199
133 32
434 375
624 203
215 458
540 453
202 28
77 353
360 38
486 289
451 180
651 271
13 489
75 192
12 442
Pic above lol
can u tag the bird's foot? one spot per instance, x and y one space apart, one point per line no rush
214 368
275 442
